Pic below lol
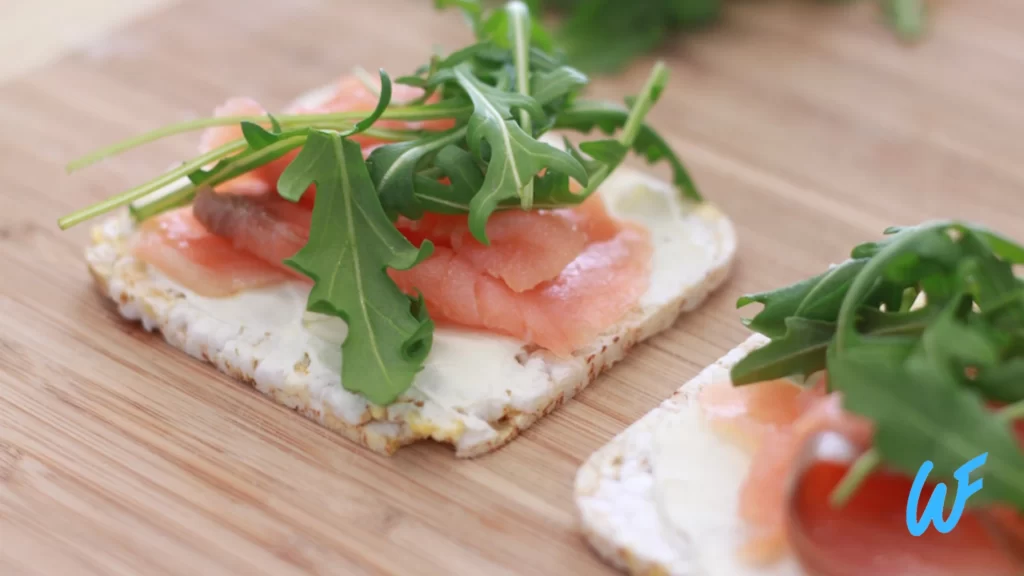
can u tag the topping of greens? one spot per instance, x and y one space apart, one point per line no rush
926 375
501 94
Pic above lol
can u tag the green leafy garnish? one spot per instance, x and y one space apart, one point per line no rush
584 116
351 243
926 376
498 97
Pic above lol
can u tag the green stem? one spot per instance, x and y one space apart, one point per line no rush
854 477
412 113
392 135
252 160
232 169
164 203
634 122
140 191
519 19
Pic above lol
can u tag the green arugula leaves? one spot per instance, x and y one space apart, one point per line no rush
585 115
928 376
351 244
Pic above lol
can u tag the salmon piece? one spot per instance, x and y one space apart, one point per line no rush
182 248
745 414
526 248
773 421
590 217
596 289
268 226
869 534
256 182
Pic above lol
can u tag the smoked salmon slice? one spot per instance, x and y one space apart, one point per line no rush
543 279
593 292
262 180
268 226
773 421
526 248
181 247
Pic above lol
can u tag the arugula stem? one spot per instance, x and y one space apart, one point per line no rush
140 191
519 19
643 104
232 169
391 135
332 120
162 204
854 477
635 120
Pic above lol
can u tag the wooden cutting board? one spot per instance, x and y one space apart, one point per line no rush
807 123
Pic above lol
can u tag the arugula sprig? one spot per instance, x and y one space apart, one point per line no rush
351 244
926 375
501 95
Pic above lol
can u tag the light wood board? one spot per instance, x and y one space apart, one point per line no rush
807 123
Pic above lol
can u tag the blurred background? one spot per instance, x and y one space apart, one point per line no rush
34 32
598 35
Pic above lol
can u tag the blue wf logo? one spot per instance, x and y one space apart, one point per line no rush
933 511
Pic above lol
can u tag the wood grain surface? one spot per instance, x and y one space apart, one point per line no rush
808 124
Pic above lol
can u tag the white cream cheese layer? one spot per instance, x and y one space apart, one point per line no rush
697 481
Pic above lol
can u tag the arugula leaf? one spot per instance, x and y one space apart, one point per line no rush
552 85
1001 246
921 413
801 351
351 244
465 176
819 298
609 152
1002 382
257 137
514 156
584 116
393 168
